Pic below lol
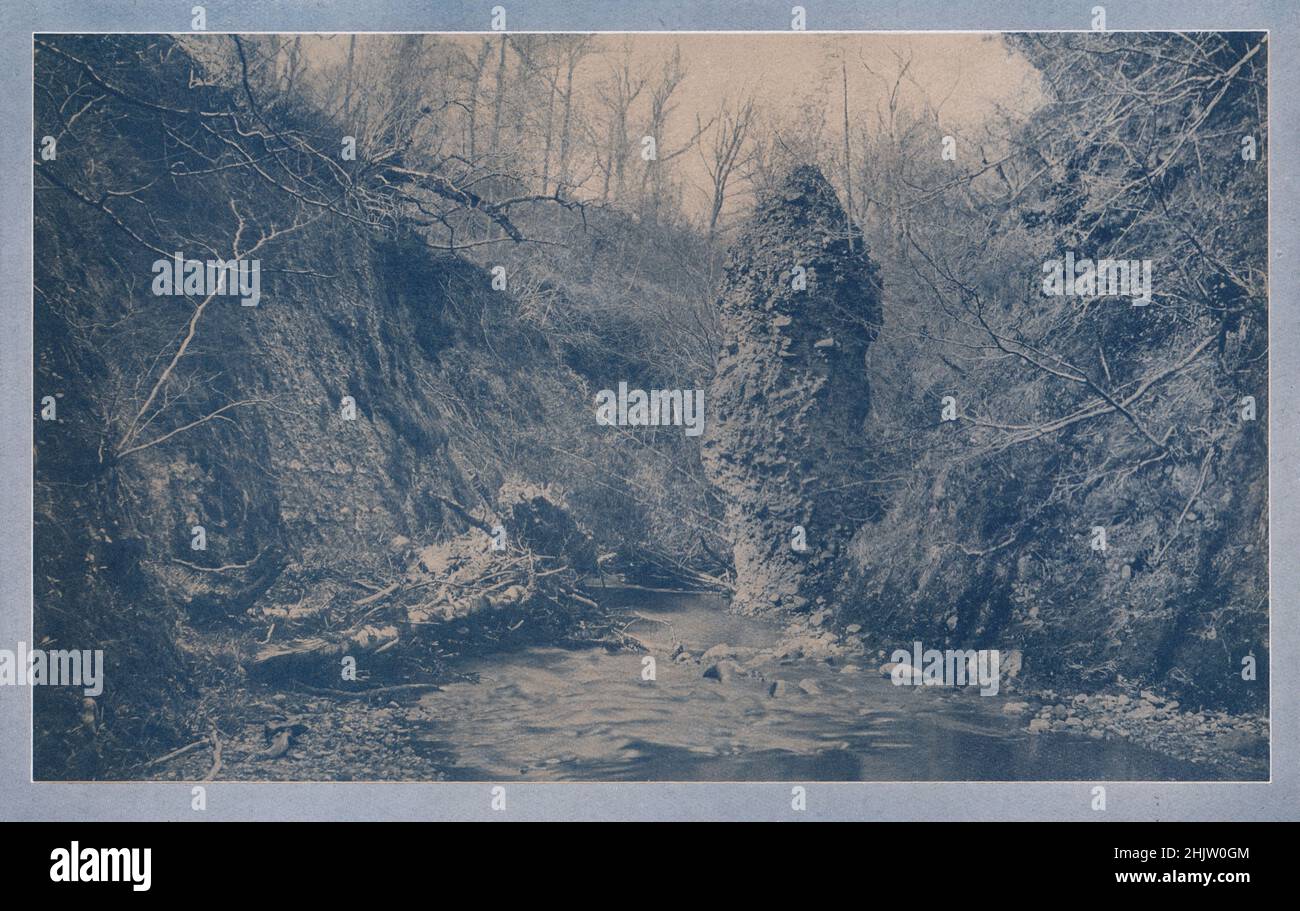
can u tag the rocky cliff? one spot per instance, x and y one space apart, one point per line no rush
784 441
315 438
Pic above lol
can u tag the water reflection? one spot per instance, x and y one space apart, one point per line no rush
552 714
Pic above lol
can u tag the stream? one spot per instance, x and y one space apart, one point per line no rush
551 714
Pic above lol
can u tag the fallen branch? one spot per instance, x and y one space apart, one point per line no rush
174 754
361 694
383 592
203 420
218 569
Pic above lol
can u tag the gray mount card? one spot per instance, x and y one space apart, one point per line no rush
648 411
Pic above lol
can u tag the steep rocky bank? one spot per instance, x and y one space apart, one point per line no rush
294 461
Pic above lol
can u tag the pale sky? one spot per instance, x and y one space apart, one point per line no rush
968 75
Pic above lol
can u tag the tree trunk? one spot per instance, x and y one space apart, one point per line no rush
565 124
347 85
499 101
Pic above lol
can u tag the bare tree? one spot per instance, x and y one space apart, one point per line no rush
577 47
726 154
616 94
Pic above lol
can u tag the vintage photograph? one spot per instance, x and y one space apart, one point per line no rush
724 407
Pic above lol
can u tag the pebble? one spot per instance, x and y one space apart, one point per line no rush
722 671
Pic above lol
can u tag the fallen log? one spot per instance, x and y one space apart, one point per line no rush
383 592
456 595
316 654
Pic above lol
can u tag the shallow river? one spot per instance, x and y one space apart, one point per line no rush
554 714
